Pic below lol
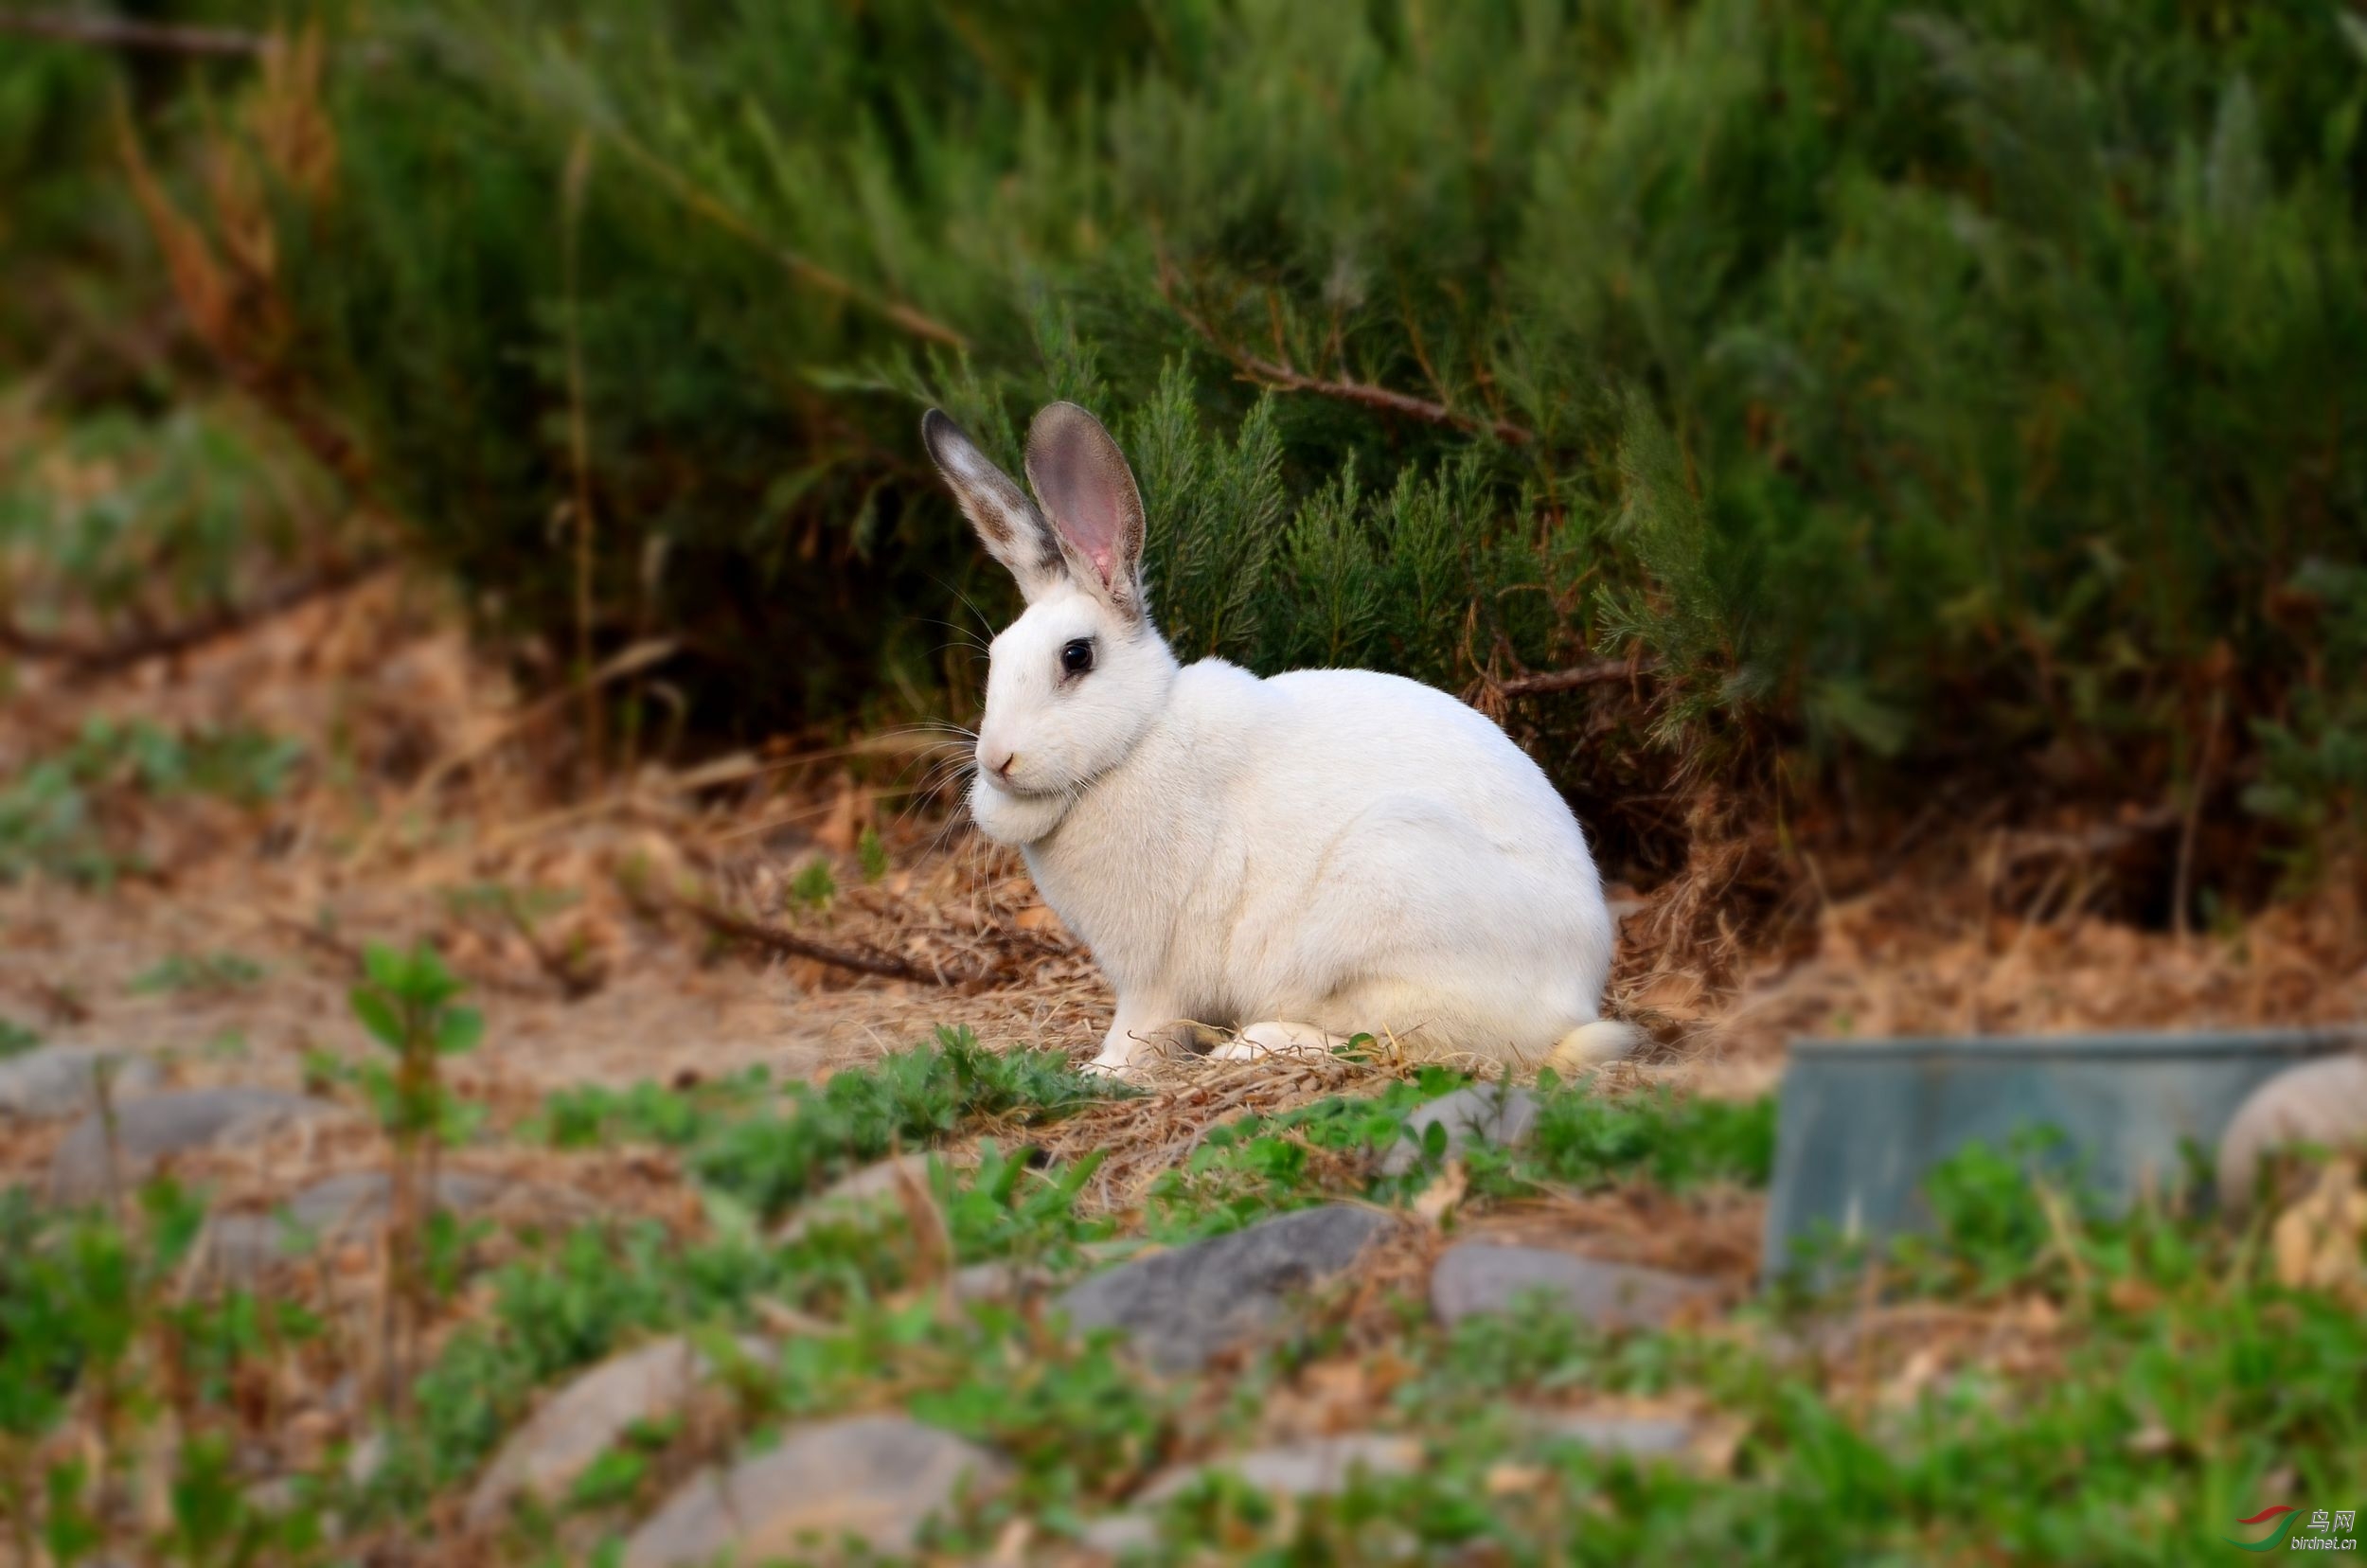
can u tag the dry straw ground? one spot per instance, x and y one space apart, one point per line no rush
644 927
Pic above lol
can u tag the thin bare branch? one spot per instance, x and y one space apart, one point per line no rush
176 38
115 32
773 939
1285 378
1598 672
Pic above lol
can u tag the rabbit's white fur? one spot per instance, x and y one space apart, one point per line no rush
1306 857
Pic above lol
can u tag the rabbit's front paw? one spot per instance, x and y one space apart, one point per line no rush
1178 1039
1275 1038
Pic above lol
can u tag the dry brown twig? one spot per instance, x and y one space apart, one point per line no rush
1289 378
1593 672
774 938
114 32
631 660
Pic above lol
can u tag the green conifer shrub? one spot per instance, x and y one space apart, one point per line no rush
1911 387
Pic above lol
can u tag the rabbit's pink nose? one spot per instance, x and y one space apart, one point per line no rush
997 761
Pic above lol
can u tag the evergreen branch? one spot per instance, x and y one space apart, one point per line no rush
805 269
1287 378
1597 672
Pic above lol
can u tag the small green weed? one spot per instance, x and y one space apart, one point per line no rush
907 1098
1076 1416
567 1305
206 972
408 1002
15 1038
874 856
195 494
617 1475
814 887
1585 1139
563 1307
53 820
228 1046
1004 1208
592 1114
97 1327
1247 1169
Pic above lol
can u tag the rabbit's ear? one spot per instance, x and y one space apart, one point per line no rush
1090 493
1013 531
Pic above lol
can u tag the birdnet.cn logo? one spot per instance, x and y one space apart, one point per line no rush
2329 1530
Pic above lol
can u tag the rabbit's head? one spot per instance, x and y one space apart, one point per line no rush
1075 682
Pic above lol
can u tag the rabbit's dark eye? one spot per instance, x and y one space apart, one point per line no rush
1078 657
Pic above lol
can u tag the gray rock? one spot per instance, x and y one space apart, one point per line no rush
1485 1277
863 1196
1641 1436
1478 1112
149 1130
53 1081
874 1478
1006 1280
586 1418
1314 1468
2317 1102
274 1496
1119 1534
1318 1468
999 1281
1180 1307
366 1459
242 1247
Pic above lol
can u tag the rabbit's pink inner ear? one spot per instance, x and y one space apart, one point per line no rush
1086 486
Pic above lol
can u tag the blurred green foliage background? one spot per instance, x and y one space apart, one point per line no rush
1975 390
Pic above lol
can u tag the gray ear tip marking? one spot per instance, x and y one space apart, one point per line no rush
1065 422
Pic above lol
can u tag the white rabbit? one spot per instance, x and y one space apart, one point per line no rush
1303 858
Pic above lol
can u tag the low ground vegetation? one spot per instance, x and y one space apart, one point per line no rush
2032 1378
